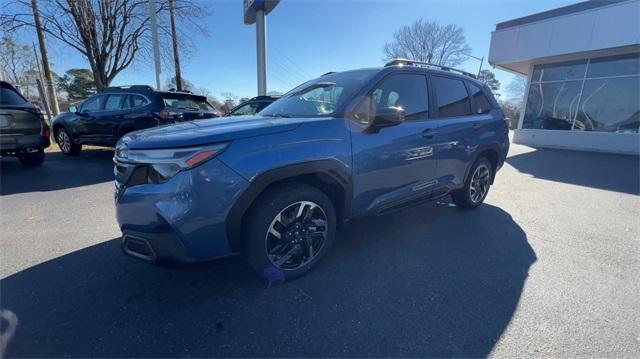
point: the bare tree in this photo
(174, 42)
(516, 89)
(44, 55)
(111, 34)
(429, 41)
(16, 59)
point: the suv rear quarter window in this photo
(452, 97)
(10, 97)
(135, 101)
(480, 100)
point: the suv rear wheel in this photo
(34, 158)
(290, 228)
(63, 138)
(476, 187)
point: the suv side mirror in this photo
(73, 109)
(387, 117)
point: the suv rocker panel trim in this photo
(333, 168)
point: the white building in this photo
(582, 64)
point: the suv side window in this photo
(93, 104)
(452, 97)
(114, 102)
(408, 91)
(134, 101)
(248, 109)
(480, 100)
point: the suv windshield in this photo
(186, 102)
(320, 97)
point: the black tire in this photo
(279, 201)
(65, 142)
(32, 159)
(469, 197)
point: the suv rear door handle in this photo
(476, 126)
(428, 133)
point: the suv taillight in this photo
(167, 115)
(46, 133)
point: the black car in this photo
(105, 117)
(23, 131)
(252, 106)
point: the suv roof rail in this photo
(407, 62)
(328, 73)
(264, 97)
(129, 87)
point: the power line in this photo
(305, 74)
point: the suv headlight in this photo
(162, 164)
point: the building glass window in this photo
(551, 106)
(573, 70)
(598, 94)
(614, 66)
(609, 105)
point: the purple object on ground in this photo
(273, 276)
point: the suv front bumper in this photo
(181, 220)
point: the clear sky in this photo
(308, 38)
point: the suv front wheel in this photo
(63, 138)
(476, 187)
(290, 228)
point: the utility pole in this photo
(176, 55)
(46, 103)
(51, 88)
(261, 47)
(154, 43)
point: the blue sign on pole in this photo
(251, 6)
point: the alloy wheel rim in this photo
(64, 141)
(479, 183)
(296, 235)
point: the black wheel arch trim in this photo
(337, 170)
(490, 146)
(55, 127)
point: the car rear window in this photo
(10, 97)
(187, 102)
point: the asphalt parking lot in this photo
(548, 267)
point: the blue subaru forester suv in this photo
(278, 185)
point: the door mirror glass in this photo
(387, 117)
(73, 109)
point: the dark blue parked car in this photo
(278, 185)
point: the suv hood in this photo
(201, 132)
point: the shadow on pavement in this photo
(620, 173)
(56, 172)
(429, 281)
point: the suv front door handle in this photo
(476, 126)
(428, 133)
